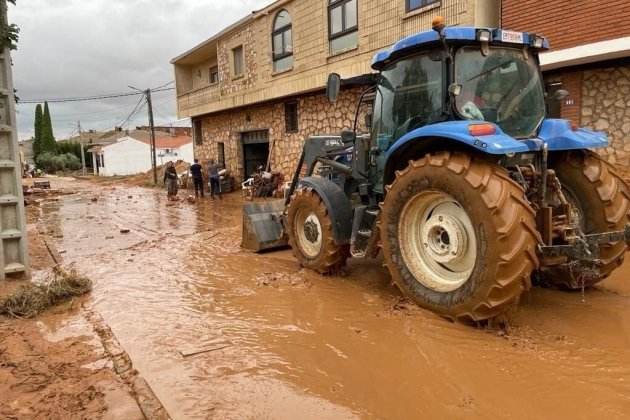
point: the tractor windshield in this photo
(502, 87)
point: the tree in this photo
(48, 142)
(37, 138)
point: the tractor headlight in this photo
(483, 36)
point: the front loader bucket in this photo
(262, 229)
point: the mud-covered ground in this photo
(55, 366)
(218, 332)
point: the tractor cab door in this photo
(410, 95)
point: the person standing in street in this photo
(196, 171)
(171, 181)
(214, 179)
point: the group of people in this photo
(171, 179)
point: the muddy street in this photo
(219, 332)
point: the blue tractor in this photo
(463, 184)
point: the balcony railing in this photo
(202, 96)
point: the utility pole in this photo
(152, 128)
(82, 152)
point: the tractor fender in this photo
(495, 144)
(559, 135)
(338, 205)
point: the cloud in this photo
(71, 48)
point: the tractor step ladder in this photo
(364, 224)
(13, 241)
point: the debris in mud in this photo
(277, 279)
(213, 348)
(32, 299)
(124, 230)
(403, 305)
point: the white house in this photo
(131, 154)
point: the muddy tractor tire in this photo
(458, 236)
(311, 234)
(602, 199)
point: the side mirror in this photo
(560, 94)
(333, 86)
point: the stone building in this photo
(255, 89)
(589, 57)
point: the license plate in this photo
(512, 37)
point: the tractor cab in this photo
(458, 73)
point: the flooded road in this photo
(221, 333)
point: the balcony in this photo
(189, 101)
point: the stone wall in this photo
(606, 107)
(315, 116)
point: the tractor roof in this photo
(452, 34)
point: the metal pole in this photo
(152, 128)
(82, 151)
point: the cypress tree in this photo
(37, 138)
(48, 143)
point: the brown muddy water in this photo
(222, 333)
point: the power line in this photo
(163, 86)
(89, 98)
(135, 110)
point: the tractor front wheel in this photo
(311, 234)
(458, 236)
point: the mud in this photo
(266, 339)
(55, 367)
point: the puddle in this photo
(311, 347)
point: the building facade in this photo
(131, 153)
(254, 90)
(589, 57)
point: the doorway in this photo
(255, 151)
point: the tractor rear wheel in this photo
(458, 236)
(602, 201)
(311, 234)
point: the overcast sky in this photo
(77, 48)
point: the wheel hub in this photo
(437, 241)
(444, 238)
(311, 231)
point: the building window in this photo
(418, 4)
(221, 154)
(214, 75)
(343, 25)
(282, 39)
(197, 133)
(239, 61)
(291, 116)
